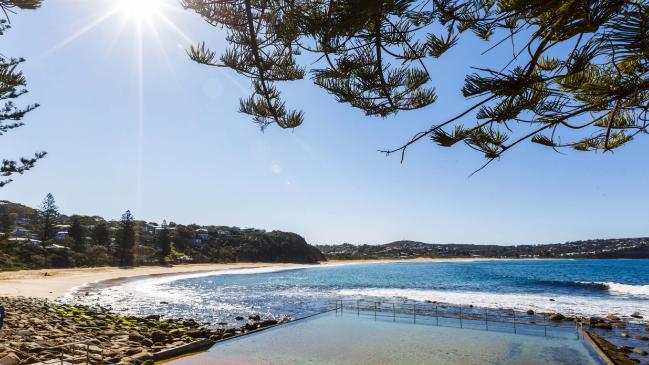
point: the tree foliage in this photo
(48, 212)
(12, 86)
(100, 234)
(578, 76)
(164, 243)
(78, 235)
(126, 240)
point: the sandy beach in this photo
(54, 283)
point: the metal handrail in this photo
(461, 313)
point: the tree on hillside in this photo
(78, 235)
(578, 76)
(100, 234)
(12, 86)
(49, 212)
(126, 240)
(164, 243)
(5, 223)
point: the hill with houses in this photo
(22, 244)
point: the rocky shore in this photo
(622, 341)
(38, 331)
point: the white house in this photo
(202, 234)
(21, 232)
(60, 235)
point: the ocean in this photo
(571, 287)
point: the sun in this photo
(140, 9)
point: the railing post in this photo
(394, 314)
(374, 310)
(436, 315)
(414, 313)
(460, 316)
(358, 308)
(486, 318)
(514, 322)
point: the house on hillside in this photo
(21, 232)
(24, 240)
(200, 236)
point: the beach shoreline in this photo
(55, 283)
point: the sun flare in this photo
(140, 9)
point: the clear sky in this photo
(192, 157)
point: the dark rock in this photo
(602, 325)
(624, 334)
(626, 349)
(198, 333)
(642, 338)
(637, 315)
(153, 317)
(158, 336)
(238, 318)
(556, 317)
(267, 323)
(552, 300)
(146, 342)
(612, 317)
(134, 351)
(135, 337)
(595, 320)
(254, 317)
(530, 312)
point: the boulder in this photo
(238, 318)
(146, 342)
(133, 351)
(612, 317)
(254, 317)
(636, 315)
(556, 317)
(595, 320)
(552, 300)
(268, 322)
(153, 317)
(530, 312)
(602, 325)
(642, 338)
(135, 337)
(10, 359)
(158, 336)
(640, 351)
(624, 334)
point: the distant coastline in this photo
(54, 283)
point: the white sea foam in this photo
(626, 289)
(589, 306)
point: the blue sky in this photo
(194, 158)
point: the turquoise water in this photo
(348, 339)
(587, 287)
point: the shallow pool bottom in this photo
(333, 339)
